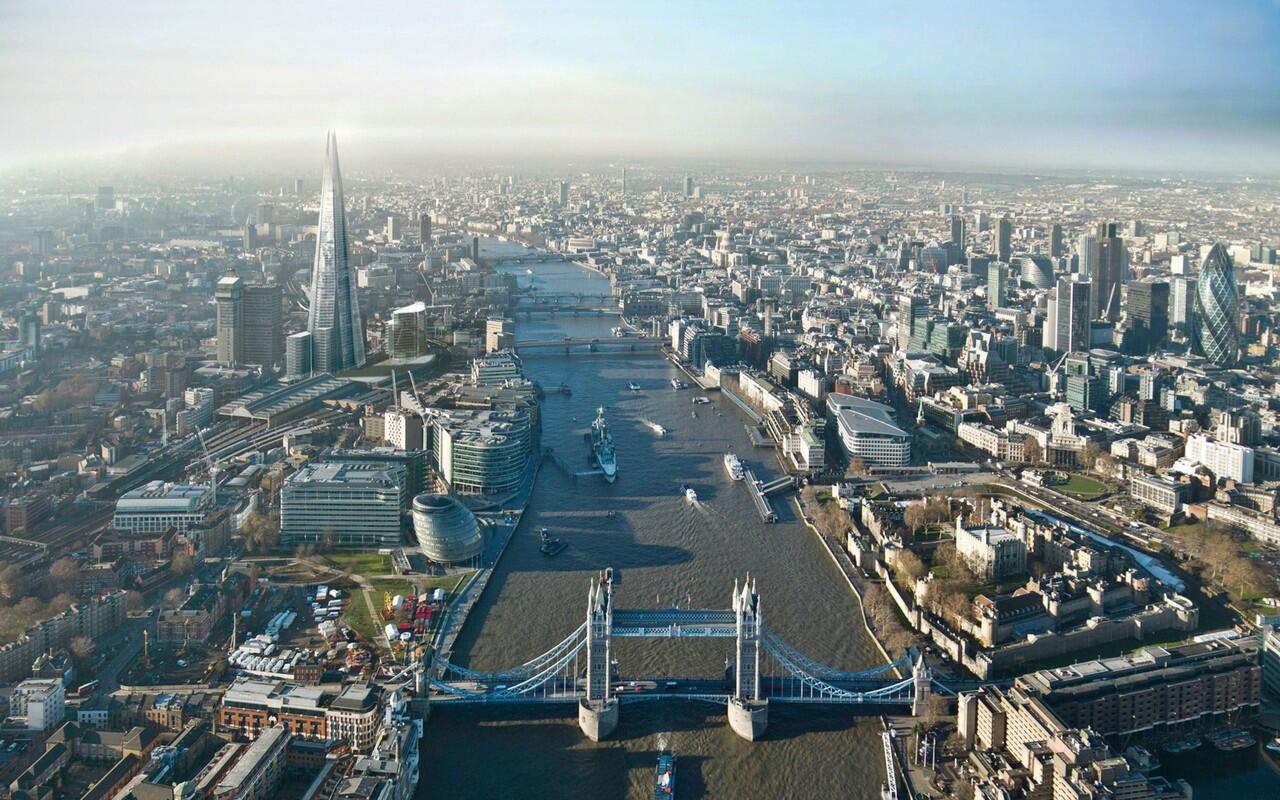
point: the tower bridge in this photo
(762, 669)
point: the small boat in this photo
(690, 494)
(733, 466)
(1230, 741)
(633, 386)
(1273, 746)
(611, 513)
(655, 427)
(528, 272)
(664, 779)
(701, 400)
(1180, 746)
(693, 414)
(678, 384)
(565, 390)
(1141, 759)
(550, 545)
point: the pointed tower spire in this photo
(334, 321)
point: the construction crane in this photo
(213, 468)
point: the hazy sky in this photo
(1128, 83)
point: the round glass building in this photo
(447, 531)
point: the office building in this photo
(482, 452)
(868, 431)
(262, 327)
(406, 332)
(912, 311)
(424, 228)
(688, 186)
(1035, 271)
(334, 321)
(997, 283)
(157, 506)
(298, 355)
(392, 229)
(564, 193)
(499, 334)
(198, 410)
(343, 504)
(1056, 249)
(259, 770)
(42, 702)
(957, 230)
(402, 429)
(229, 300)
(29, 331)
(1224, 459)
(1004, 239)
(447, 531)
(354, 715)
(1067, 325)
(1146, 312)
(1105, 262)
(105, 200)
(496, 369)
(1182, 304)
(1216, 330)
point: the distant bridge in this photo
(580, 669)
(568, 344)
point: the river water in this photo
(664, 551)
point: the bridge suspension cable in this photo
(820, 670)
(522, 671)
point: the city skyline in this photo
(1141, 86)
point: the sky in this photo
(1124, 85)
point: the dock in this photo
(758, 438)
(784, 484)
(763, 507)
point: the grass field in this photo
(364, 563)
(357, 616)
(1082, 488)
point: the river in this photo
(665, 552)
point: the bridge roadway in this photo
(715, 690)
(614, 344)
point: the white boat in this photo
(733, 466)
(602, 447)
(655, 427)
(701, 400)
(633, 386)
(528, 272)
(1273, 746)
(678, 384)
(690, 495)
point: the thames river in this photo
(665, 552)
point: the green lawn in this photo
(1082, 488)
(356, 615)
(363, 562)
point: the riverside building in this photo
(343, 504)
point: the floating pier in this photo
(763, 508)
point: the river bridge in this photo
(593, 344)
(763, 669)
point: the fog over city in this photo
(1131, 86)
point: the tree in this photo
(908, 568)
(1088, 458)
(174, 597)
(134, 601)
(914, 517)
(64, 575)
(181, 563)
(857, 466)
(13, 582)
(329, 538)
(1031, 450)
(82, 648)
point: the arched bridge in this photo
(763, 669)
(568, 344)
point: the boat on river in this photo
(733, 466)
(602, 447)
(689, 494)
(664, 779)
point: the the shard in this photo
(337, 331)
(1216, 332)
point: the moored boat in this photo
(664, 779)
(733, 466)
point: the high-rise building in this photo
(1182, 305)
(29, 331)
(229, 299)
(564, 193)
(424, 228)
(1146, 310)
(1004, 239)
(1215, 329)
(343, 504)
(997, 282)
(392, 230)
(1070, 315)
(1107, 267)
(499, 334)
(298, 355)
(912, 311)
(1055, 241)
(262, 325)
(624, 181)
(106, 198)
(337, 330)
(688, 186)
(406, 331)
(957, 230)
(1035, 271)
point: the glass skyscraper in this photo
(337, 331)
(1216, 331)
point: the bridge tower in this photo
(748, 710)
(922, 679)
(598, 711)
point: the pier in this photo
(756, 488)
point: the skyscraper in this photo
(1215, 329)
(1004, 239)
(298, 355)
(688, 186)
(337, 330)
(262, 327)
(997, 281)
(1108, 265)
(1146, 311)
(29, 331)
(1055, 241)
(1070, 315)
(424, 228)
(957, 230)
(229, 299)
(564, 193)
(1182, 306)
(912, 310)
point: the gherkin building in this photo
(1217, 330)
